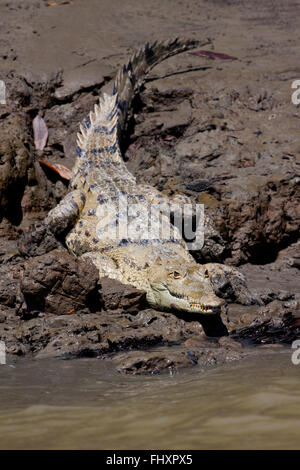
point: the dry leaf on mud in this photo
(213, 55)
(63, 171)
(55, 4)
(40, 132)
(71, 311)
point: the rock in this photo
(273, 281)
(57, 282)
(200, 342)
(154, 362)
(229, 343)
(9, 283)
(37, 240)
(172, 359)
(116, 295)
(2, 315)
(275, 323)
(289, 257)
(92, 334)
(15, 163)
(239, 316)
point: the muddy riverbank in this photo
(225, 133)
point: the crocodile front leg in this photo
(230, 284)
(64, 215)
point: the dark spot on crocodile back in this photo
(86, 122)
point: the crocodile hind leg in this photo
(180, 208)
(64, 215)
(229, 283)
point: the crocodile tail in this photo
(98, 141)
(131, 76)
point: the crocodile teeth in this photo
(203, 308)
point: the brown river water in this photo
(85, 404)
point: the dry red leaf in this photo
(63, 171)
(71, 311)
(213, 55)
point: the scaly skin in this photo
(162, 266)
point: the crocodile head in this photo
(184, 288)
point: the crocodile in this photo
(102, 190)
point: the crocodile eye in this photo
(206, 273)
(175, 274)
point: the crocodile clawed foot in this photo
(229, 283)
